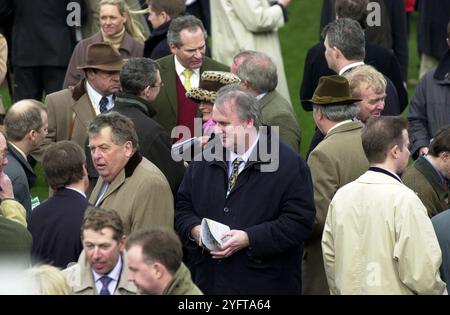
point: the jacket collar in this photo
(353, 125)
(161, 30)
(129, 100)
(442, 72)
(78, 90)
(19, 157)
(126, 172)
(86, 279)
(424, 167)
(259, 155)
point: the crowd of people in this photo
(238, 211)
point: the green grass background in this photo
(299, 34)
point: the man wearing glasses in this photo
(141, 83)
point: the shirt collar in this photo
(260, 96)
(349, 66)
(18, 150)
(77, 190)
(339, 124)
(179, 68)
(95, 98)
(113, 274)
(246, 155)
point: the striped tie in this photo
(234, 174)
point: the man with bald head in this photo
(26, 126)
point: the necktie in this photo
(187, 73)
(105, 280)
(234, 174)
(103, 104)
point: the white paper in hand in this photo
(211, 234)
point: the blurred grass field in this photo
(299, 34)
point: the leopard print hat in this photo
(210, 83)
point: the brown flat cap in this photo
(333, 90)
(102, 56)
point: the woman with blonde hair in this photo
(118, 27)
(47, 280)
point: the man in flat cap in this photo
(71, 110)
(336, 161)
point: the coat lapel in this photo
(83, 114)
(169, 77)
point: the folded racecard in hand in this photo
(211, 233)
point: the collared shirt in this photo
(339, 124)
(195, 78)
(244, 157)
(349, 66)
(114, 275)
(102, 193)
(441, 176)
(95, 98)
(18, 150)
(77, 190)
(260, 96)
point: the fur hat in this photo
(210, 83)
(333, 90)
(102, 56)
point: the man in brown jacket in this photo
(430, 173)
(336, 161)
(71, 110)
(128, 182)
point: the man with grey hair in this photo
(128, 183)
(141, 83)
(336, 161)
(258, 74)
(26, 126)
(180, 72)
(270, 212)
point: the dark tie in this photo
(103, 104)
(105, 280)
(234, 174)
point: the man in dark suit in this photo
(141, 83)
(180, 72)
(26, 126)
(391, 31)
(379, 57)
(265, 199)
(42, 43)
(55, 224)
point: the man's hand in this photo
(423, 150)
(6, 186)
(237, 240)
(195, 233)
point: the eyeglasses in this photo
(158, 85)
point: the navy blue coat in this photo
(276, 209)
(55, 226)
(156, 46)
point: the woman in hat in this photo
(117, 27)
(206, 93)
